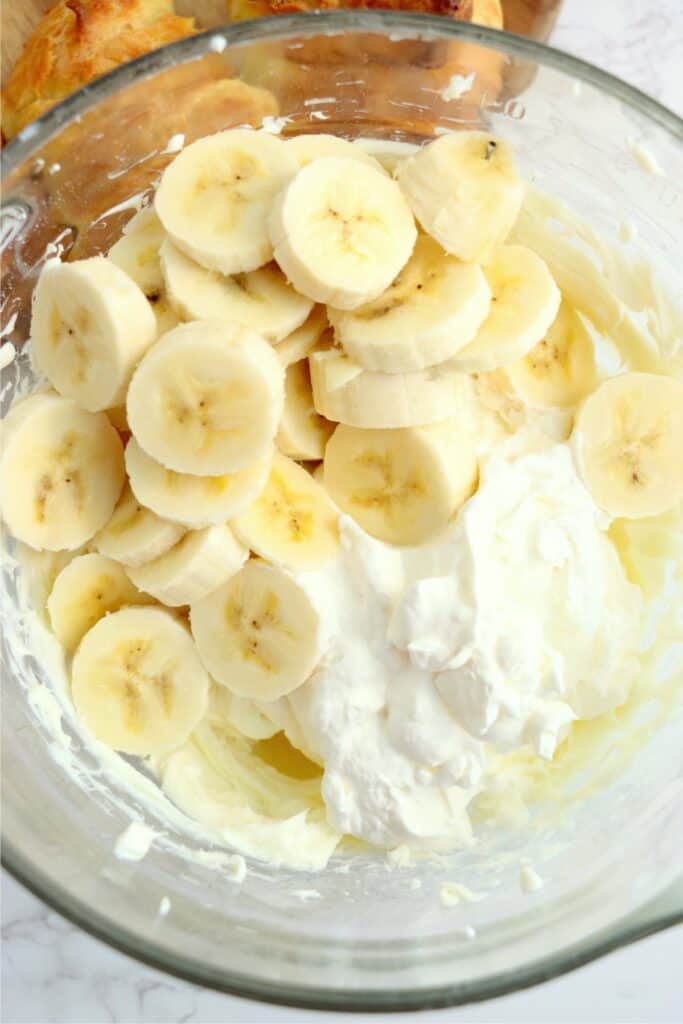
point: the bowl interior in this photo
(358, 934)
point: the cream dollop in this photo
(532, 622)
(516, 621)
(398, 767)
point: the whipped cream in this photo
(531, 622)
(513, 623)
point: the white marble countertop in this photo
(52, 972)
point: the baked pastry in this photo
(488, 13)
(407, 85)
(420, 67)
(481, 12)
(78, 40)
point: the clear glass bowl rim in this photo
(667, 910)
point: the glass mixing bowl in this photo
(358, 936)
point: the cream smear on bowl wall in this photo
(450, 669)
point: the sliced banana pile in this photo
(287, 302)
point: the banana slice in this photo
(401, 486)
(292, 522)
(432, 309)
(524, 302)
(61, 472)
(90, 325)
(341, 231)
(346, 393)
(304, 339)
(262, 299)
(87, 589)
(258, 634)
(560, 370)
(137, 681)
(312, 147)
(40, 569)
(207, 398)
(628, 444)
(303, 432)
(466, 192)
(137, 253)
(215, 197)
(198, 564)
(193, 501)
(134, 534)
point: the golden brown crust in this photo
(488, 13)
(78, 40)
(241, 10)
(482, 12)
(344, 50)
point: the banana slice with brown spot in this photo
(138, 683)
(432, 309)
(61, 472)
(215, 197)
(207, 399)
(628, 444)
(401, 486)
(292, 523)
(465, 190)
(560, 370)
(524, 303)
(258, 634)
(303, 432)
(341, 231)
(86, 590)
(90, 325)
